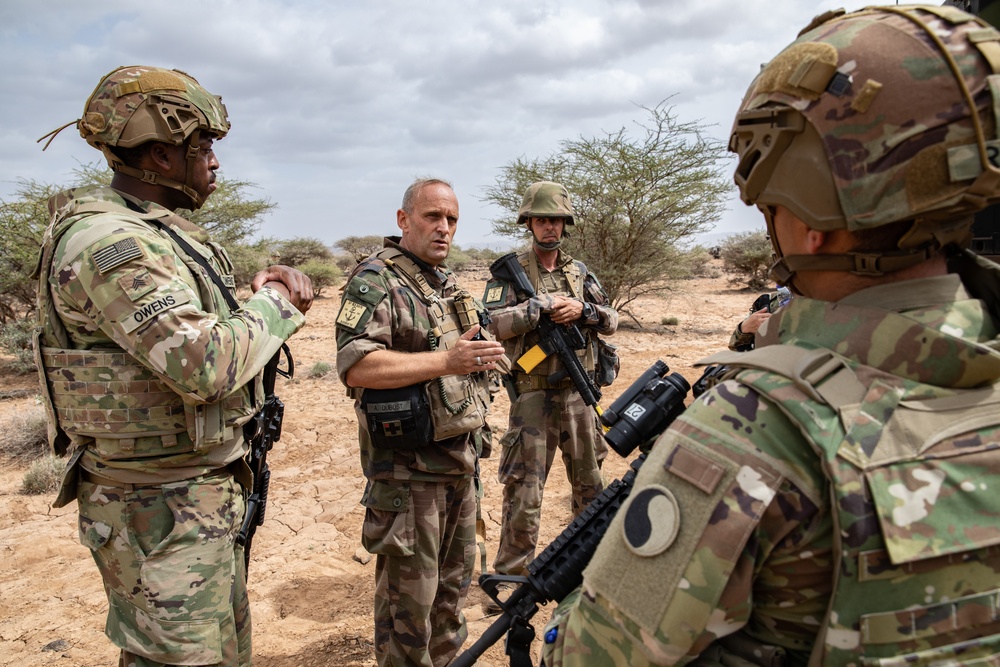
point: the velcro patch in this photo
(652, 519)
(117, 254)
(137, 283)
(350, 314)
(495, 293)
(147, 311)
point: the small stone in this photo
(362, 556)
(57, 645)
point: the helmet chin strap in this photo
(191, 154)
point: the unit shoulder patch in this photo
(360, 299)
(495, 294)
(652, 520)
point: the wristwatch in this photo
(588, 311)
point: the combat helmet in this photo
(137, 104)
(545, 199)
(885, 115)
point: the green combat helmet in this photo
(885, 115)
(137, 104)
(545, 199)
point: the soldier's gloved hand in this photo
(292, 283)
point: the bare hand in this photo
(566, 310)
(753, 323)
(292, 283)
(470, 356)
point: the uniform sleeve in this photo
(508, 318)
(605, 321)
(739, 341)
(681, 565)
(364, 321)
(132, 287)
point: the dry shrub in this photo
(43, 476)
(23, 435)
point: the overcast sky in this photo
(337, 106)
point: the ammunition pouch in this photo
(608, 363)
(397, 418)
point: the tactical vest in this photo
(902, 460)
(588, 357)
(105, 398)
(458, 403)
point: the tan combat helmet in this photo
(879, 116)
(545, 199)
(136, 104)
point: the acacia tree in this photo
(637, 196)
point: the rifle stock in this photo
(261, 432)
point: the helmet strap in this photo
(154, 178)
(551, 245)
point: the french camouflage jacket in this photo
(382, 309)
(514, 320)
(147, 372)
(841, 513)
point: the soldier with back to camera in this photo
(412, 355)
(149, 373)
(546, 416)
(831, 501)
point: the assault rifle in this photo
(560, 339)
(635, 419)
(261, 433)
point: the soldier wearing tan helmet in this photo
(832, 501)
(150, 368)
(546, 416)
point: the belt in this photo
(95, 478)
(541, 382)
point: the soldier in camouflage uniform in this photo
(832, 501)
(544, 416)
(148, 375)
(410, 351)
(744, 336)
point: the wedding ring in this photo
(479, 361)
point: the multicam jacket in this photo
(840, 515)
(147, 372)
(382, 310)
(514, 322)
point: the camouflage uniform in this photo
(420, 516)
(829, 502)
(147, 376)
(770, 509)
(742, 341)
(545, 417)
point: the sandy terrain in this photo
(311, 598)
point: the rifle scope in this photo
(645, 409)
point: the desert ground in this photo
(310, 581)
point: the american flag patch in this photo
(117, 254)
